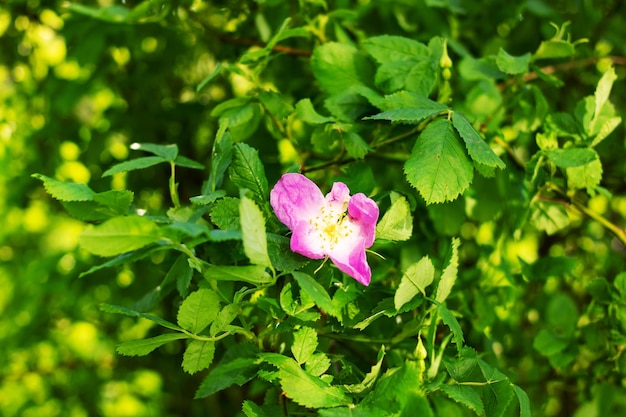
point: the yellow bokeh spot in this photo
(82, 338)
(117, 146)
(484, 235)
(121, 56)
(147, 383)
(5, 21)
(118, 181)
(37, 121)
(73, 171)
(149, 44)
(35, 217)
(125, 278)
(51, 19)
(287, 154)
(126, 405)
(51, 48)
(599, 204)
(22, 23)
(63, 237)
(69, 151)
(20, 73)
(240, 84)
(68, 70)
(66, 264)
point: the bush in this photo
(161, 162)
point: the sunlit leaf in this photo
(198, 356)
(304, 388)
(253, 230)
(198, 310)
(417, 277)
(397, 222)
(247, 172)
(66, 191)
(145, 346)
(438, 166)
(119, 235)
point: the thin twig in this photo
(253, 42)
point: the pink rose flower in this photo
(338, 226)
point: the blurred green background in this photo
(77, 90)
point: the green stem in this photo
(174, 186)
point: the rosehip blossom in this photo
(338, 226)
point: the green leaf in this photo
(110, 308)
(554, 49)
(275, 104)
(167, 152)
(339, 66)
(225, 316)
(585, 176)
(225, 214)
(281, 255)
(304, 344)
(562, 315)
(398, 392)
(206, 199)
(242, 121)
(497, 393)
(183, 161)
(407, 107)
(417, 277)
(66, 191)
(317, 364)
(316, 291)
(307, 113)
(124, 258)
(466, 395)
(198, 310)
(198, 356)
(254, 274)
(387, 48)
(253, 230)
(524, 402)
(438, 166)
(216, 71)
(356, 147)
(601, 96)
(119, 235)
(113, 14)
(549, 217)
(448, 277)
(236, 371)
(145, 346)
(397, 222)
(449, 320)
(549, 344)
(304, 388)
(251, 409)
(572, 157)
(247, 172)
(370, 378)
(118, 201)
(512, 64)
(477, 148)
(221, 157)
(134, 164)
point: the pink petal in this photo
(364, 212)
(338, 196)
(352, 261)
(295, 198)
(304, 241)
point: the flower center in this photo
(331, 226)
